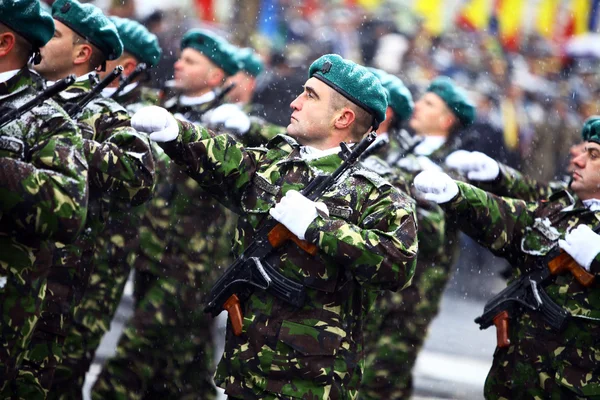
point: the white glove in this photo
(231, 117)
(296, 212)
(435, 186)
(158, 122)
(477, 166)
(583, 244)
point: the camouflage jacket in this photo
(511, 183)
(138, 97)
(43, 173)
(369, 241)
(524, 233)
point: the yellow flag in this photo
(581, 11)
(369, 4)
(476, 13)
(545, 23)
(432, 13)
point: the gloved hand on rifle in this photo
(229, 116)
(296, 212)
(435, 186)
(160, 124)
(477, 166)
(583, 244)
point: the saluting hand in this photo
(297, 212)
(477, 166)
(435, 186)
(160, 124)
(583, 244)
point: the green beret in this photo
(399, 97)
(138, 41)
(455, 98)
(352, 81)
(90, 23)
(591, 129)
(27, 19)
(250, 62)
(217, 49)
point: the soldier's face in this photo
(311, 119)
(431, 115)
(194, 72)
(586, 172)
(57, 54)
(243, 89)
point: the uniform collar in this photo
(5, 76)
(308, 153)
(192, 101)
(107, 92)
(21, 80)
(592, 204)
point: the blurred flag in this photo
(432, 13)
(509, 16)
(593, 20)
(475, 15)
(205, 9)
(368, 4)
(268, 19)
(546, 19)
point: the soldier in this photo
(397, 329)
(540, 361)
(43, 189)
(121, 169)
(139, 47)
(364, 229)
(166, 349)
(251, 66)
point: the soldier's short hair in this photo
(97, 58)
(22, 49)
(363, 120)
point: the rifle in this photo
(73, 109)
(407, 143)
(139, 69)
(251, 270)
(527, 293)
(14, 113)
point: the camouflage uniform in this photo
(540, 362)
(166, 350)
(367, 244)
(44, 192)
(397, 326)
(120, 169)
(138, 97)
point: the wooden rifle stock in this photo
(280, 234)
(234, 309)
(564, 262)
(501, 323)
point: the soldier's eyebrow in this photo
(311, 91)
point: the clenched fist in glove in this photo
(477, 166)
(583, 244)
(231, 117)
(435, 186)
(296, 212)
(157, 122)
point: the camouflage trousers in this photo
(94, 309)
(166, 351)
(23, 271)
(395, 332)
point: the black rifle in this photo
(527, 293)
(407, 144)
(251, 269)
(139, 69)
(73, 109)
(10, 114)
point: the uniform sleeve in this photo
(381, 249)
(495, 222)
(511, 183)
(219, 163)
(119, 158)
(46, 194)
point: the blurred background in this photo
(531, 66)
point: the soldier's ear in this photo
(82, 53)
(7, 43)
(344, 118)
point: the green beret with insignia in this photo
(90, 23)
(138, 41)
(354, 82)
(28, 20)
(217, 49)
(399, 97)
(591, 129)
(455, 98)
(250, 62)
